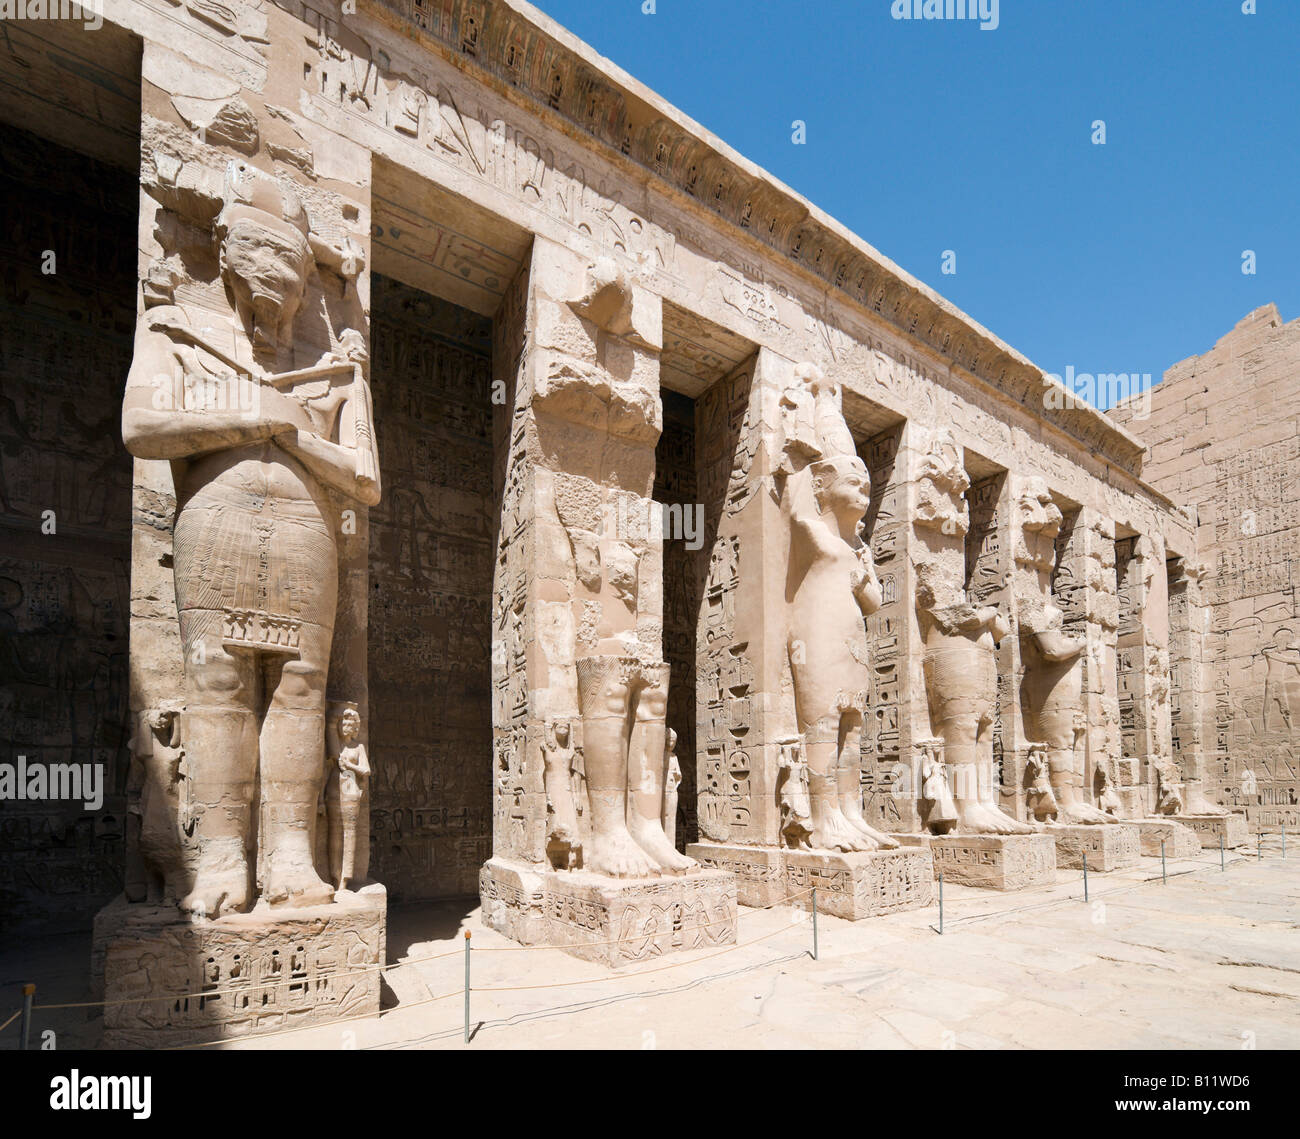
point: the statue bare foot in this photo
(217, 892)
(879, 839)
(618, 855)
(293, 881)
(977, 818)
(1198, 804)
(832, 831)
(649, 836)
(1081, 814)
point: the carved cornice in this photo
(522, 49)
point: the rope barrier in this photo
(10, 1021)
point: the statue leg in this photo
(848, 779)
(293, 768)
(967, 769)
(987, 783)
(646, 774)
(1066, 772)
(605, 700)
(830, 829)
(219, 727)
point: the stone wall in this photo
(65, 346)
(1224, 438)
(430, 595)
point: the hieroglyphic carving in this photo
(430, 572)
(65, 342)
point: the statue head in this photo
(347, 723)
(265, 256)
(842, 486)
(1038, 511)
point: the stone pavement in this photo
(1209, 961)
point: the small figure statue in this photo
(352, 770)
(672, 780)
(1169, 794)
(564, 842)
(156, 812)
(941, 814)
(1108, 799)
(1039, 797)
(792, 792)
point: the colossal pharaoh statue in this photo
(1052, 689)
(959, 661)
(266, 455)
(830, 587)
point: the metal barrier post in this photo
(1085, 875)
(940, 903)
(467, 941)
(1222, 864)
(29, 991)
(1164, 878)
(814, 917)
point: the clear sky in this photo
(925, 136)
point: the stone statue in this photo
(958, 660)
(260, 447)
(672, 781)
(1108, 798)
(351, 769)
(1039, 797)
(831, 586)
(792, 794)
(941, 811)
(156, 808)
(1169, 793)
(564, 841)
(623, 702)
(1052, 688)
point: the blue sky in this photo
(924, 136)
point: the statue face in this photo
(847, 490)
(266, 268)
(350, 724)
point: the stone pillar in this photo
(895, 720)
(248, 410)
(578, 674)
(776, 464)
(1143, 670)
(743, 708)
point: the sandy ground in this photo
(1209, 960)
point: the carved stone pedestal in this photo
(1110, 846)
(615, 921)
(851, 886)
(1208, 828)
(240, 975)
(1180, 841)
(993, 861)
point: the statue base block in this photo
(615, 921)
(851, 886)
(239, 975)
(1109, 846)
(993, 861)
(1209, 828)
(1180, 841)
